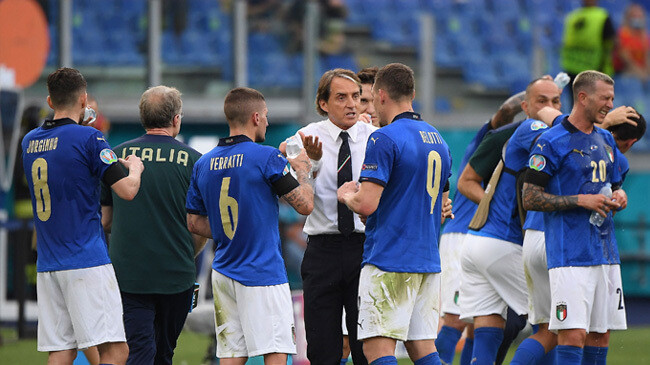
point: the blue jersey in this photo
(232, 185)
(503, 219)
(412, 162)
(64, 163)
(577, 163)
(464, 208)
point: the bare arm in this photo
(548, 114)
(362, 199)
(508, 110)
(128, 187)
(199, 243)
(302, 197)
(469, 184)
(619, 115)
(199, 225)
(535, 198)
(107, 217)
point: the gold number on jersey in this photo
(41, 189)
(229, 209)
(599, 173)
(434, 169)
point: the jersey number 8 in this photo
(41, 189)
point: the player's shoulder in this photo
(605, 134)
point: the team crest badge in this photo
(610, 153)
(537, 162)
(537, 125)
(456, 295)
(560, 311)
(107, 156)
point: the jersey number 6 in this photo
(229, 209)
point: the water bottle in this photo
(90, 113)
(597, 219)
(294, 145)
(561, 80)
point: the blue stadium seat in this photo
(444, 53)
(629, 91)
(344, 60)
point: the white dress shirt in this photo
(324, 218)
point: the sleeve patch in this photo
(369, 166)
(537, 162)
(537, 125)
(108, 156)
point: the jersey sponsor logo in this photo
(610, 153)
(374, 140)
(541, 147)
(580, 152)
(561, 311)
(108, 156)
(537, 162)
(537, 125)
(369, 166)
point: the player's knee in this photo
(454, 321)
(572, 337)
(597, 339)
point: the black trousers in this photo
(152, 323)
(330, 275)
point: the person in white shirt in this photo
(332, 262)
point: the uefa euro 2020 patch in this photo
(537, 125)
(537, 162)
(108, 156)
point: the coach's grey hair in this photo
(586, 81)
(159, 105)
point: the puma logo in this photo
(579, 152)
(374, 140)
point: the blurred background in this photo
(468, 56)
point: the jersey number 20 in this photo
(229, 209)
(41, 189)
(434, 170)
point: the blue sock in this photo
(344, 361)
(466, 354)
(549, 358)
(594, 355)
(386, 360)
(530, 351)
(568, 355)
(446, 343)
(486, 345)
(431, 359)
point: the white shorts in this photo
(78, 308)
(588, 297)
(403, 306)
(492, 278)
(536, 270)
(451, 247)
(252, 320)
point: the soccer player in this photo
(79, 302)
(567, 169)
(534, 348)
(404, 181)
(492, 271)
(367, 111)
(156, 276)
(233, 198)
(451, 243)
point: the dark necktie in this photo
(346, 219)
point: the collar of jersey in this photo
(568, 126)
(229, 141)
(334, 131)
(57, 122)
(407, 115)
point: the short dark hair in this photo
(325, 85)
(586, 81)
(397, 80)
(240, 103)
(367, 75)
(64, 87)
(626, 131)
(159, 105)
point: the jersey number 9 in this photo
(434, 170)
